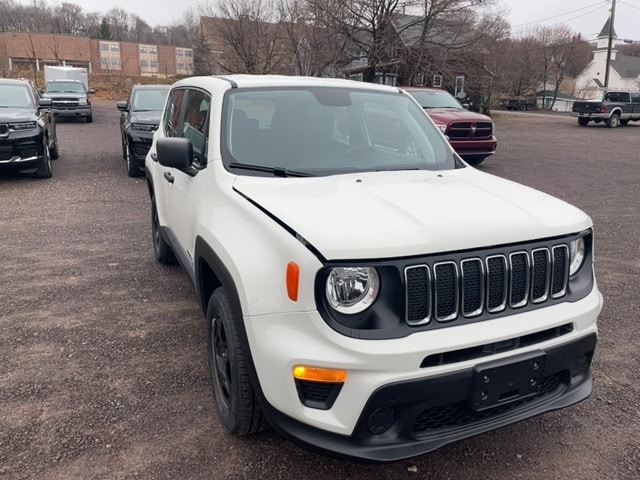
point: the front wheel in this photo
(161, 249)
(132, 168)
(53, 151)
(613, 121)
(90, 117)
(235, 400)
(44, 166)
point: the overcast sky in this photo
(583, 16)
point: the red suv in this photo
(471, 134)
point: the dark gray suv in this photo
(28, 139)
(139, 118)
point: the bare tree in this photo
(254, 42)
(317, 47)
(120, 24)
(571, 54)
(632, 49)
(68, 19)
(140, 31)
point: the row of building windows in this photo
(144, 49)
(148, 49)
(109, 47)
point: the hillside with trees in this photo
(413, 41)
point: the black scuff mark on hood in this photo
(293, 233)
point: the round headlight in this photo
(352, 290)
(576, 252)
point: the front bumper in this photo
(474, 148)
(21, 150)
(139, 145)
(71, 111)
(410, 418)
(397, 403)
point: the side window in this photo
(195, 123)
(172, 114)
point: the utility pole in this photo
(611, 21)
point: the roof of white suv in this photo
(252, 81)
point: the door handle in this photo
(168, 177)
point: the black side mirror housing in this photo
(175, 152)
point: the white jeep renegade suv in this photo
(366, 292)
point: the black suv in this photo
(138, 121)
(28, 139)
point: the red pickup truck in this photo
(613, 107)
(471, 134)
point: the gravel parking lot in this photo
(102, 355)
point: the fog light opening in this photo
(381, 420)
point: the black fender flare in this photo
(204, 253)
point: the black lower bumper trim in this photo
(416, 417)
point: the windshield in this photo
(15, 96)
(431, 99)
(149, 99)
(325, 131)
(64, 87)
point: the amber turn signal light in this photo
(318, 374)
(293, 279)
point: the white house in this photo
(624, 70)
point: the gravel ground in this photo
(102, 358)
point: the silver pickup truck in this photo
(613, 107)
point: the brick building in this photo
(21, 52)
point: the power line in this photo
(598, 6)
(629, 5)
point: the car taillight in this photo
(603, 108)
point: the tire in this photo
(53, 151)
(90, 117)
(613, 121)
(161, 249)
(132, 168)
(235, 400)
(583, 121)
(44, 166)
(475, 160)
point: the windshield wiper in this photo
(276, 171)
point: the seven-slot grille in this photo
(446, 290)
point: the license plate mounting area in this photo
(506, 381)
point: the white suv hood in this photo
(392, 214)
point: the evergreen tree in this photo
(105, 30)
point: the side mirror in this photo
(123, 106)
(44, 103)
(91, 91)
(175, 152)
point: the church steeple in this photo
(605, 30)
(603, 36)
